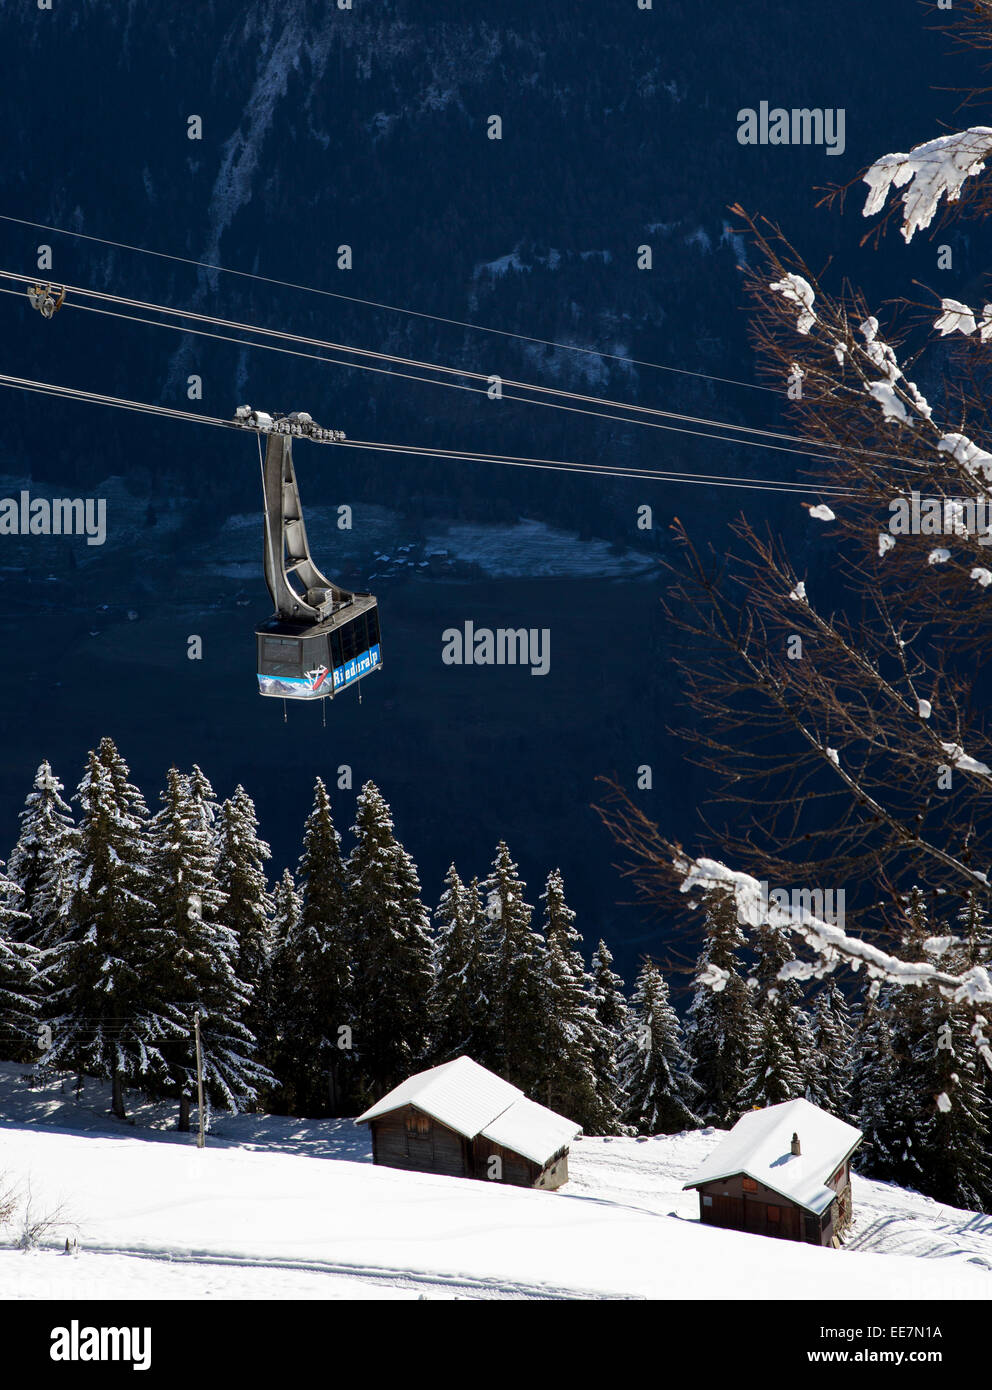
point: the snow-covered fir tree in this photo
(609, 1003)
(656, 1067)
(19, 984)
(832, 1056)
(781, 1065)
(128, 796)
(572, 1032)
(515, 991)
(313, 970)
(286, 907)
(458, 1002)
(889, 1094)
(43, 862)
(241, 859)
(954, 1149)
(198, 971)
(974, 928)
(886, 1098)
(275, 1040)
(107, 1020)
(202, 797)
(392, 948)
(721, 1023)
(975, 931)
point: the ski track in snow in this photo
(894, 1222)
(460, 1285)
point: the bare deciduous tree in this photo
(839, 715)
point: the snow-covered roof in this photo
(760, 1146)
(532, 1130)
(472, 1101)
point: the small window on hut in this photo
(417, 1124)
(707, 1201)
(749, 1185)
(774, 1214)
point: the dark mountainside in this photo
(368, 127)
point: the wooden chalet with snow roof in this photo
(463, 1121)
(783, 1171)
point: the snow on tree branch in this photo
(798, 291)
(967, 453)
(882, 356)
(956, 317)
(829, 941)
(931, 171)
(713, 977)
(892, 406)
(966, 763)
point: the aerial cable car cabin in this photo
(321, 639)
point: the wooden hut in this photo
(783, 1171)
(464, 1121)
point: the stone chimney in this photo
(796, 1150)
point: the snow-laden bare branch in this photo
(955, 317)
(830, 943)
(892, 406)
(968, 454)
(800, 292)
(883, 357)
(931, 171)
(964, 761)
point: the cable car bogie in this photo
(47, 299)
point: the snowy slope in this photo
(277, 1208)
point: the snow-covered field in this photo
(277, 1208)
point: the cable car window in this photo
(336, 657)
(314, 653)
(353, 638)
(281, 656)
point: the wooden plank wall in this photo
(441, 1150)
(739, 1210)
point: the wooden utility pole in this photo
(199, 1077)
